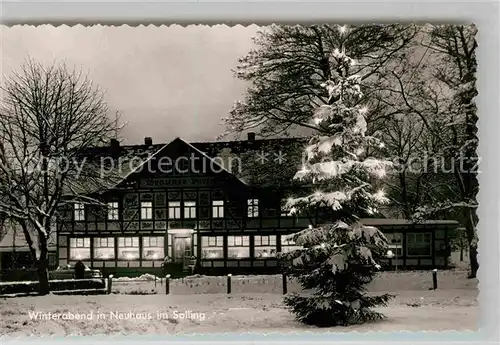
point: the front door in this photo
(182, 250)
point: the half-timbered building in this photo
(216, 207)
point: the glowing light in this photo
(380, 173)
(130, 256)
(310, 226)
(323, 245)
(380, 194)
(303, 169)
(343, 29)
(213, 255)
(381, 145)
(390, 254)
(155, 256)
(363, 110)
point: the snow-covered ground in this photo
(200, 305)
(216, 313)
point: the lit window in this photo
(288, 244)
(79, 212)
(218, 209)
(189, 209)
(253, 207)
(113, 211)
(128, 248)
(79, 248)
(174, 210)
(104, 248)
(152, 248)
(265, 246)
(212, 247)
(146, 210)
(395, 243)
(418, 244)
(238, 247)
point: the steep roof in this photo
(124, 160)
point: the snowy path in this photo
(170, 314)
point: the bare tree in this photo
(444, 102)
(49, 116)
(289, 64)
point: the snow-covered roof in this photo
(141, 154)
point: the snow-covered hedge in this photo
(26, 287)
(144, 277)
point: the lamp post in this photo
(391, 255)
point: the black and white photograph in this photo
(217, 179)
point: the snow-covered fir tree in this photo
(339, 254)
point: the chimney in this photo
(251, 136)
(114, 147)
(114, 143)
(148, 141)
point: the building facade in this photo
(184, 203)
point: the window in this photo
(265, 246)
(288, 244)
(113, 211)
(146, 210)
(152, 248)
(189, 209)
(218, 209)
(212, 247)
(128, 248)
(253, 208)
(418, 244)
(104, 248)
(79, 248)
(79, 212)
(238, 247)
(395, 241)
(174, 210)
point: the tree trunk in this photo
(474, 264)
(42, 266)
(471, 239)
(43, 276)
(404, 195)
